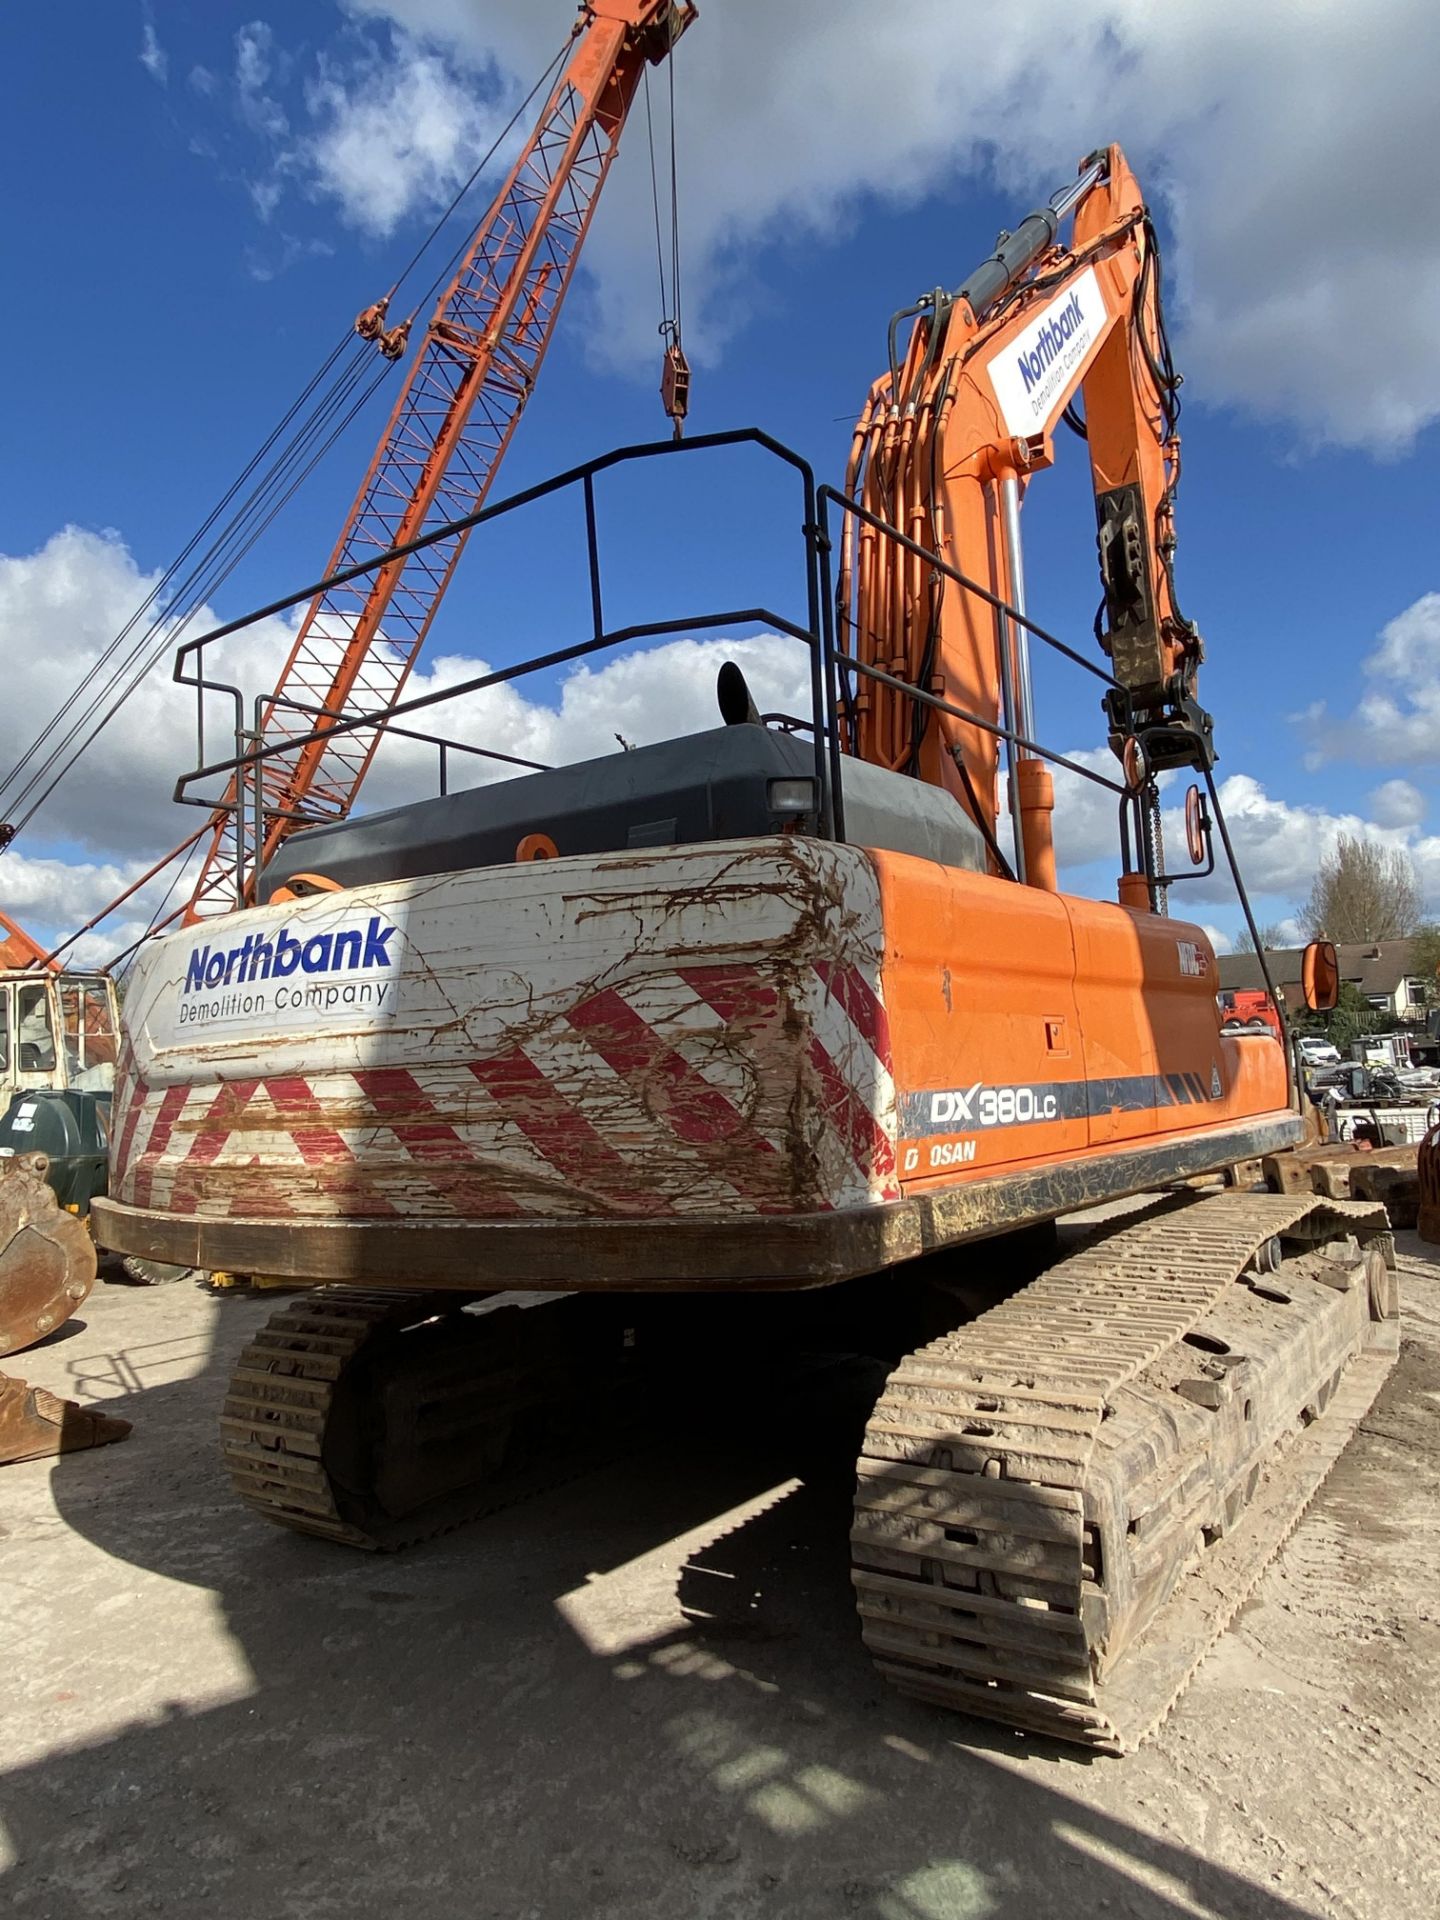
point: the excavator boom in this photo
(944, 452)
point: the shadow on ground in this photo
(623, 1698)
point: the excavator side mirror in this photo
(1197, 827)
(1320, 976)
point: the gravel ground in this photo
(643, 1695)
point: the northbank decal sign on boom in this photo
(1031, 374)
(274, 977)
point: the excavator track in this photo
(1061, 1505)
(377, 1419)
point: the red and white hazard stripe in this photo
(694, 1090)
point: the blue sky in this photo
(211, 193)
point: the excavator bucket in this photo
(35, 1424)
(47, 1268)
(47, 1258)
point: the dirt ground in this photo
(644, 1695)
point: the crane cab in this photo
(57, 1030)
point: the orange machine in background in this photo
(17, 949)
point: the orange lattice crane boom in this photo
(445, 439)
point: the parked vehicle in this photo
(1248, 1007)
(1315, 1052)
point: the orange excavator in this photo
(782, 1035)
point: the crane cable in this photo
(447, 271)
(221, 560)
(238, 535)
(161, 583)
(178, 596)
(674, 188)
(655, 203)
(675, 381)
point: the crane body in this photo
(753, 1040)
(447, 434)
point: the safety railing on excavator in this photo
(245, 768)
(843, 661)
(832, 669)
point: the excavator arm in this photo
(944, 453)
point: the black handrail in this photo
(828, 659)
(644, 450)
(939, 705)
(584, 475)
(382, 716)
(1001, 605)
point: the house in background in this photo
(1384, 971)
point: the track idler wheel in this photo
(47, 1258)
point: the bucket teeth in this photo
(1061, 1505)
(35, 1423)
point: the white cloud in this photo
(59, 608)
(395, 134)
(1397, 803)
(256, 63)
(152, 55)
(50, 898)
(1397, 722)
(266, 195)
(659, 694)
(113, 815)
(1086, 820)
(1261, 133)
(1278, 844)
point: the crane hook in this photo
(675, 386)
